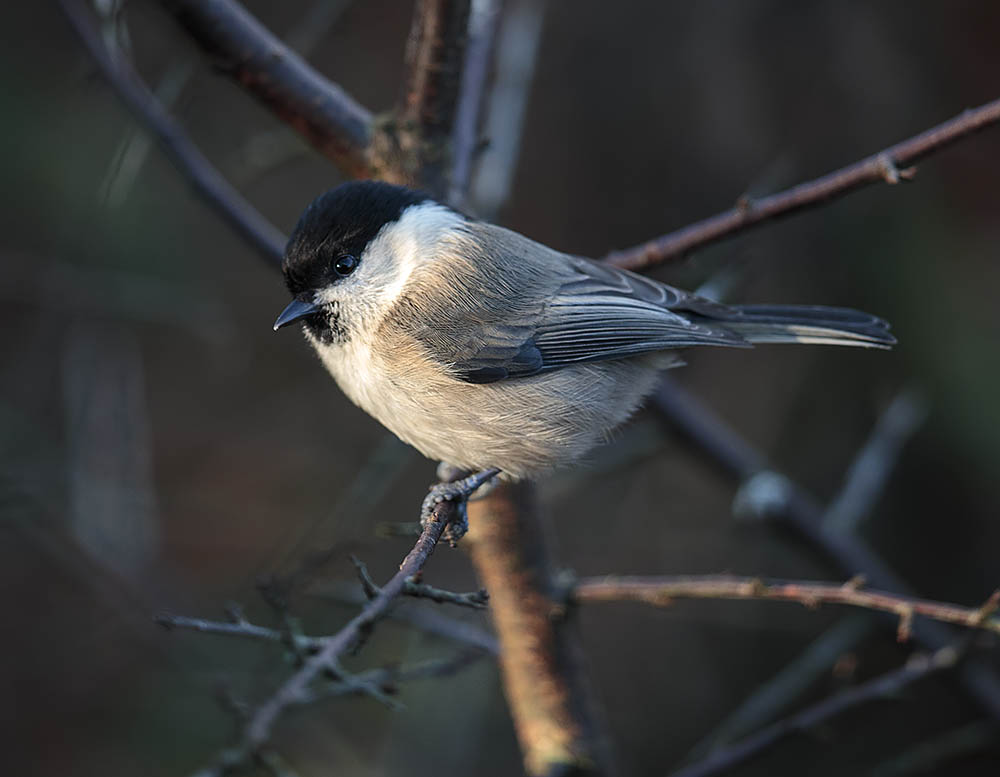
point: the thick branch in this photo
(434, 56)
(545, 683)
(246, 220)
(662, 591)
(323, 113)
(882, 687)
(883, 166)
(417, 144)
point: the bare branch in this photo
(415, 147)
(546, 687)
(518, 42)
(484, 22)
(662, 591)
(881, 167)
(427, 620)
(208, 182)
(388, 679)
(297, 689)
(240, 628)
(798, 511)
(881, 687)
(319, 110)
(477, 600)
(870, 470)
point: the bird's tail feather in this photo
(808, 324)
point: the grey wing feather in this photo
(596, 313)
(604, 313)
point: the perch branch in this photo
(662, 591)
(882, 687)
(297, 689)
(246, 220)
(890, 166)
(319, 110)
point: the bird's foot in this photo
(458, 491)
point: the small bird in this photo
(486, 350)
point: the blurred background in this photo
(161, 448)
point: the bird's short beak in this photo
(296, 309)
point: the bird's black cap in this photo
(341, 223)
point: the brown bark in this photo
(545, 684)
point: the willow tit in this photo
(484, 349)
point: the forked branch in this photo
(298, 689)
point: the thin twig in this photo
(296, 689)
(239, 628)
(881, 687)
(477, 600)
(881, 167)
(208, 182)
(388, 679)
(425, 619)
(662, 591)
(319, 110)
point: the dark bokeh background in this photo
(160, 447)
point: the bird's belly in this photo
(524, 426)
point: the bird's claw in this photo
(457, 491)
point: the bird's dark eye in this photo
(345, 265)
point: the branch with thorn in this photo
(475, 599)
(663, 591)
(892, 165)
(323, 658)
